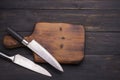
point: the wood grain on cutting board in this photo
(64, 41)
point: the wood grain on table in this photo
(102, 46)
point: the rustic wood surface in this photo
(102, 46)
(64, 41)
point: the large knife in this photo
(24, 62)
(38, 49)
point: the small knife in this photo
(38, 49)
(26, 63)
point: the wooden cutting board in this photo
(64, 41)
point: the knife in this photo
(26, 63)
(38, 49)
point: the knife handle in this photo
(7, 57)
(15, 34)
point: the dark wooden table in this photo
(101, 19)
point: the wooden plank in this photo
(60, 4)
(105, 67)
(93, 20)
(102, 43)
(101, 19)
(97, 43)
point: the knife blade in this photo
(38, 49)
(26, 63)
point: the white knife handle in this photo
(10, 58)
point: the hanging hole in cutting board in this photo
(61, 46)
(60, 29)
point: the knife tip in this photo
(49, 75)
(61, 70)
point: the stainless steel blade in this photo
(43, 53)
(24, 62)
